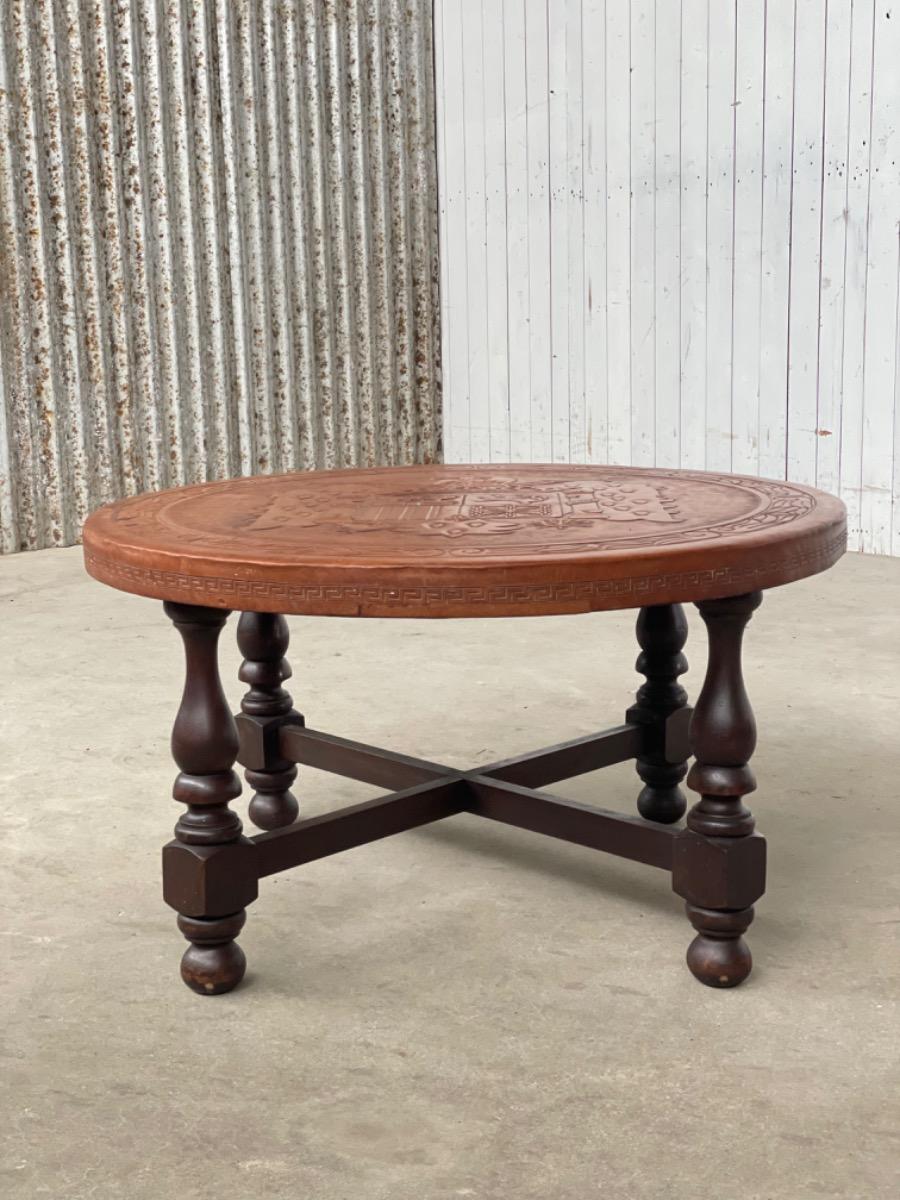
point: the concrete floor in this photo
(468, 1009)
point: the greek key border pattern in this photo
(283, 597)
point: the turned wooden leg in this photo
(661, 634)
(263, 640)
(727, 862)
(203, 873)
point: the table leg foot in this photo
(208, 840)
(718, 956)
(661, 634)
(661, 799)
(213, 963)
(273, 805)
(723, 738)
(263, 639)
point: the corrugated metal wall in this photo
(218, 247)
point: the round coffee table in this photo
(464, 541)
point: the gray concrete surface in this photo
(466, 1010)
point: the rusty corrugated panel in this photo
(218, 246)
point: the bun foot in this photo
(213, 963)
(664, 805)
(718, 956)
(273, 806)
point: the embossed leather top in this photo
(464, 541)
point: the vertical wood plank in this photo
(595, 302)
(806, 193)
(575, 138)
(497, 265)
(694, 163)
(472, 50)
(643, 220)
(538, 140)
(720, 235)
(452, 189)
(859, 146)
(559, 153)
(666, 240)
(894, 548)
(776, 239)
(748, 178)
(618, 230)
(517, 229)
(880, 377)
(834, 247)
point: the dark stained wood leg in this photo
(723, 736)
(205, 745)
(213, 962)
(211, 872)
(661, 633)
(263, 640)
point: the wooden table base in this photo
(717, 863)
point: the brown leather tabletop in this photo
(464, 541)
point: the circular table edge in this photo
(570, 585)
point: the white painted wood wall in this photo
(669, 235)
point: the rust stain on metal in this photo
(218, 247)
